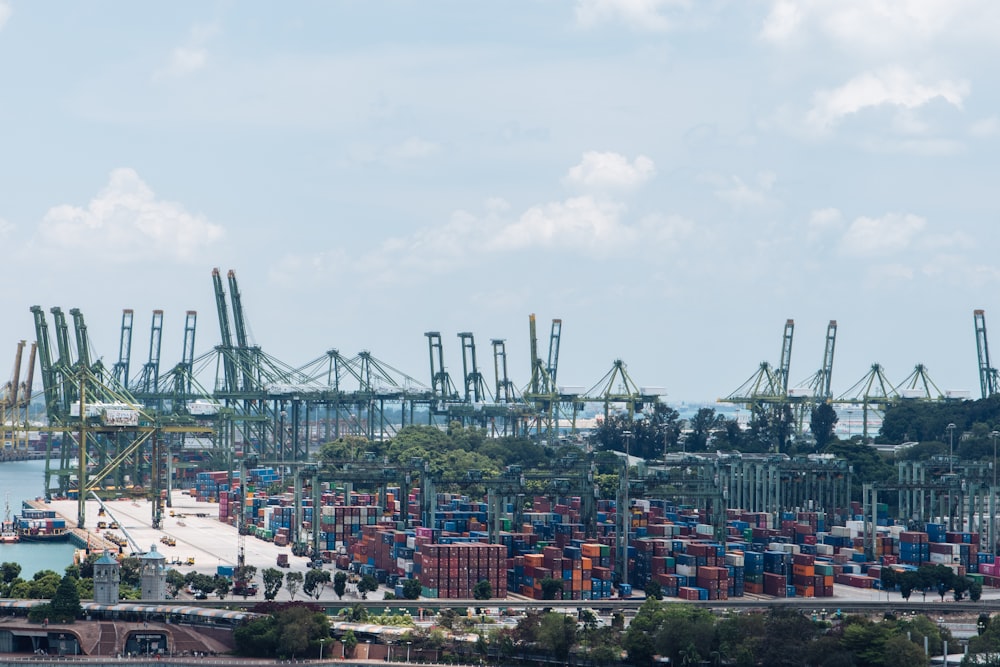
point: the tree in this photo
(175, 582)
(822, 422)
(483, 590)
(9, 572)
(244, 574)
(273, 578)
(293, 581)
(654, 590)
(222, 586)
(551, 588)
(412, 589)
(898, 651)
(315, 578)
(340, 585)
(557, 633)
(367, 585)
(65, 606)
(350, 642)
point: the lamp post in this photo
(993, 495)
(321, 642)
(951, 469)
(408, 651)
(627, 521)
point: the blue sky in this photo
(673, 179)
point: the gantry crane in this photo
(120, 371)
(988, 379)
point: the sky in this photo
(673, 179)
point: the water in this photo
(25, 480)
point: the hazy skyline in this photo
(672, 179)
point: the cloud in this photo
(5, 12)
(190, 57)
(582, 223)
(782, 22)
(739, 194)
(415, 148)
(610, 171)
(126, 223)
(985, 127)
(642, 15)
(878, 26)
(6, 229)
(878, 237)
(892, 86)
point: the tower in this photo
(107, 576)
(153, 575)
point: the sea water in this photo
(25, 480)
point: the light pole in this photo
(627, 522)
(951, 469)
(408, 651)
(388, 652)
(321, 642)
(993, 495)
(951, 448)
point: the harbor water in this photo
(25, 480)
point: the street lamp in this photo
(388, 653)
(951, 469)
(993, 495)
(624, 510)
(951, 447)
(408, 651)
(321, 642)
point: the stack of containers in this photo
(453, 570)
(914, 547)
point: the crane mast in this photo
(121, 368)
(827, 373)
(786, 356)
(987, 374)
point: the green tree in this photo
(65, 606)
(315, 579)
(350, 643)
(557, 634)
(222, 586)
(483, 590)
(175, 582)
(273, 579)
(9, 572)
(339, 585)
(901, 652)
(293, 582)
(411, 589)
(552, 588)
(822, 421)
(368, 584)
(654, 590)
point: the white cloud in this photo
(985, 127)
(892, 86)
(191, 56)
(581, 223)
(876, 237)
(739, 194)
(126, 223)
(645, 15)
(610, 171)
(782, 22)
(415, 148)
(6, 228)
(5, 12)
(878, 26)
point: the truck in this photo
(283, 560)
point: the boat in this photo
(36, 525)
(8, 530)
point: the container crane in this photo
(120, 370)
(988, 377)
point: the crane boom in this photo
(831, 342)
